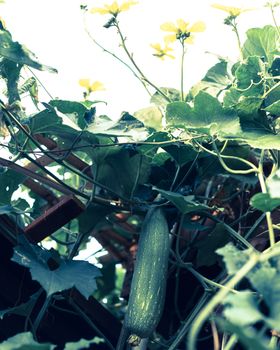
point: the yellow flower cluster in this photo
(232, 11)
(114, 9)
(182, 31)
(91, 86)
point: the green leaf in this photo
(274, 108)
(154, 142)
(185, 204)
(266, 280)
(206, 255)
(264, 202)
(24, 341)
(242, 308)
(233, 258)
(248, 106)
(262, 42)
(248, 75)
(150, 116)
(216, 79)
(22, 309)
(69, 273)
(177, 114)
(92, 216)
(83, 343)
(171, 93)
(18, 53)
(273, 185)
(182, 154)
(8, 209)
(258, 137)
(207, 116)
(129, 170)
(248, 336)
(126, 126)
(9, 183)
(74, 110)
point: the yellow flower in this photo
(181, 30)
(114, 9)
(91, 86)
(232, 11)
(162, 52)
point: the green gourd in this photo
(148, 286)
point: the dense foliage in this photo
(209, 158)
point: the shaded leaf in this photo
(24, 341)
(185, 204)
(92, 216)
(22, 309)
(69, 274)
(18, 53)
(206, 255)
(9, 183)
(264, 202)
(73, 109)
(182, 154)
(242, 308)
(129, 170)
(248, 336)
(83, 343)
(274, 108)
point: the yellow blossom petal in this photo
(189, 40)
(85, 83)
(162, 52)
(233, 11)
(101, 11)
(169, 27)
(182, 25)
(168, 39)
(97, 86)
(125, 6)
(156, 46)
(113, 9)
(197, 27)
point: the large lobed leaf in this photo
(206, 116)
(262, 42)
(79, 274)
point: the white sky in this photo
(54, 31)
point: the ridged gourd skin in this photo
(148, 285)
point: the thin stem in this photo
(218, 298)
(231, 342)
(42, 313)
(116, 57)
(235, 29)
(182, 70)
(264, 190)
(221, 157)
(130, 56)
(274, 19)
(91, 324)
(186, 325)
(36, 77)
